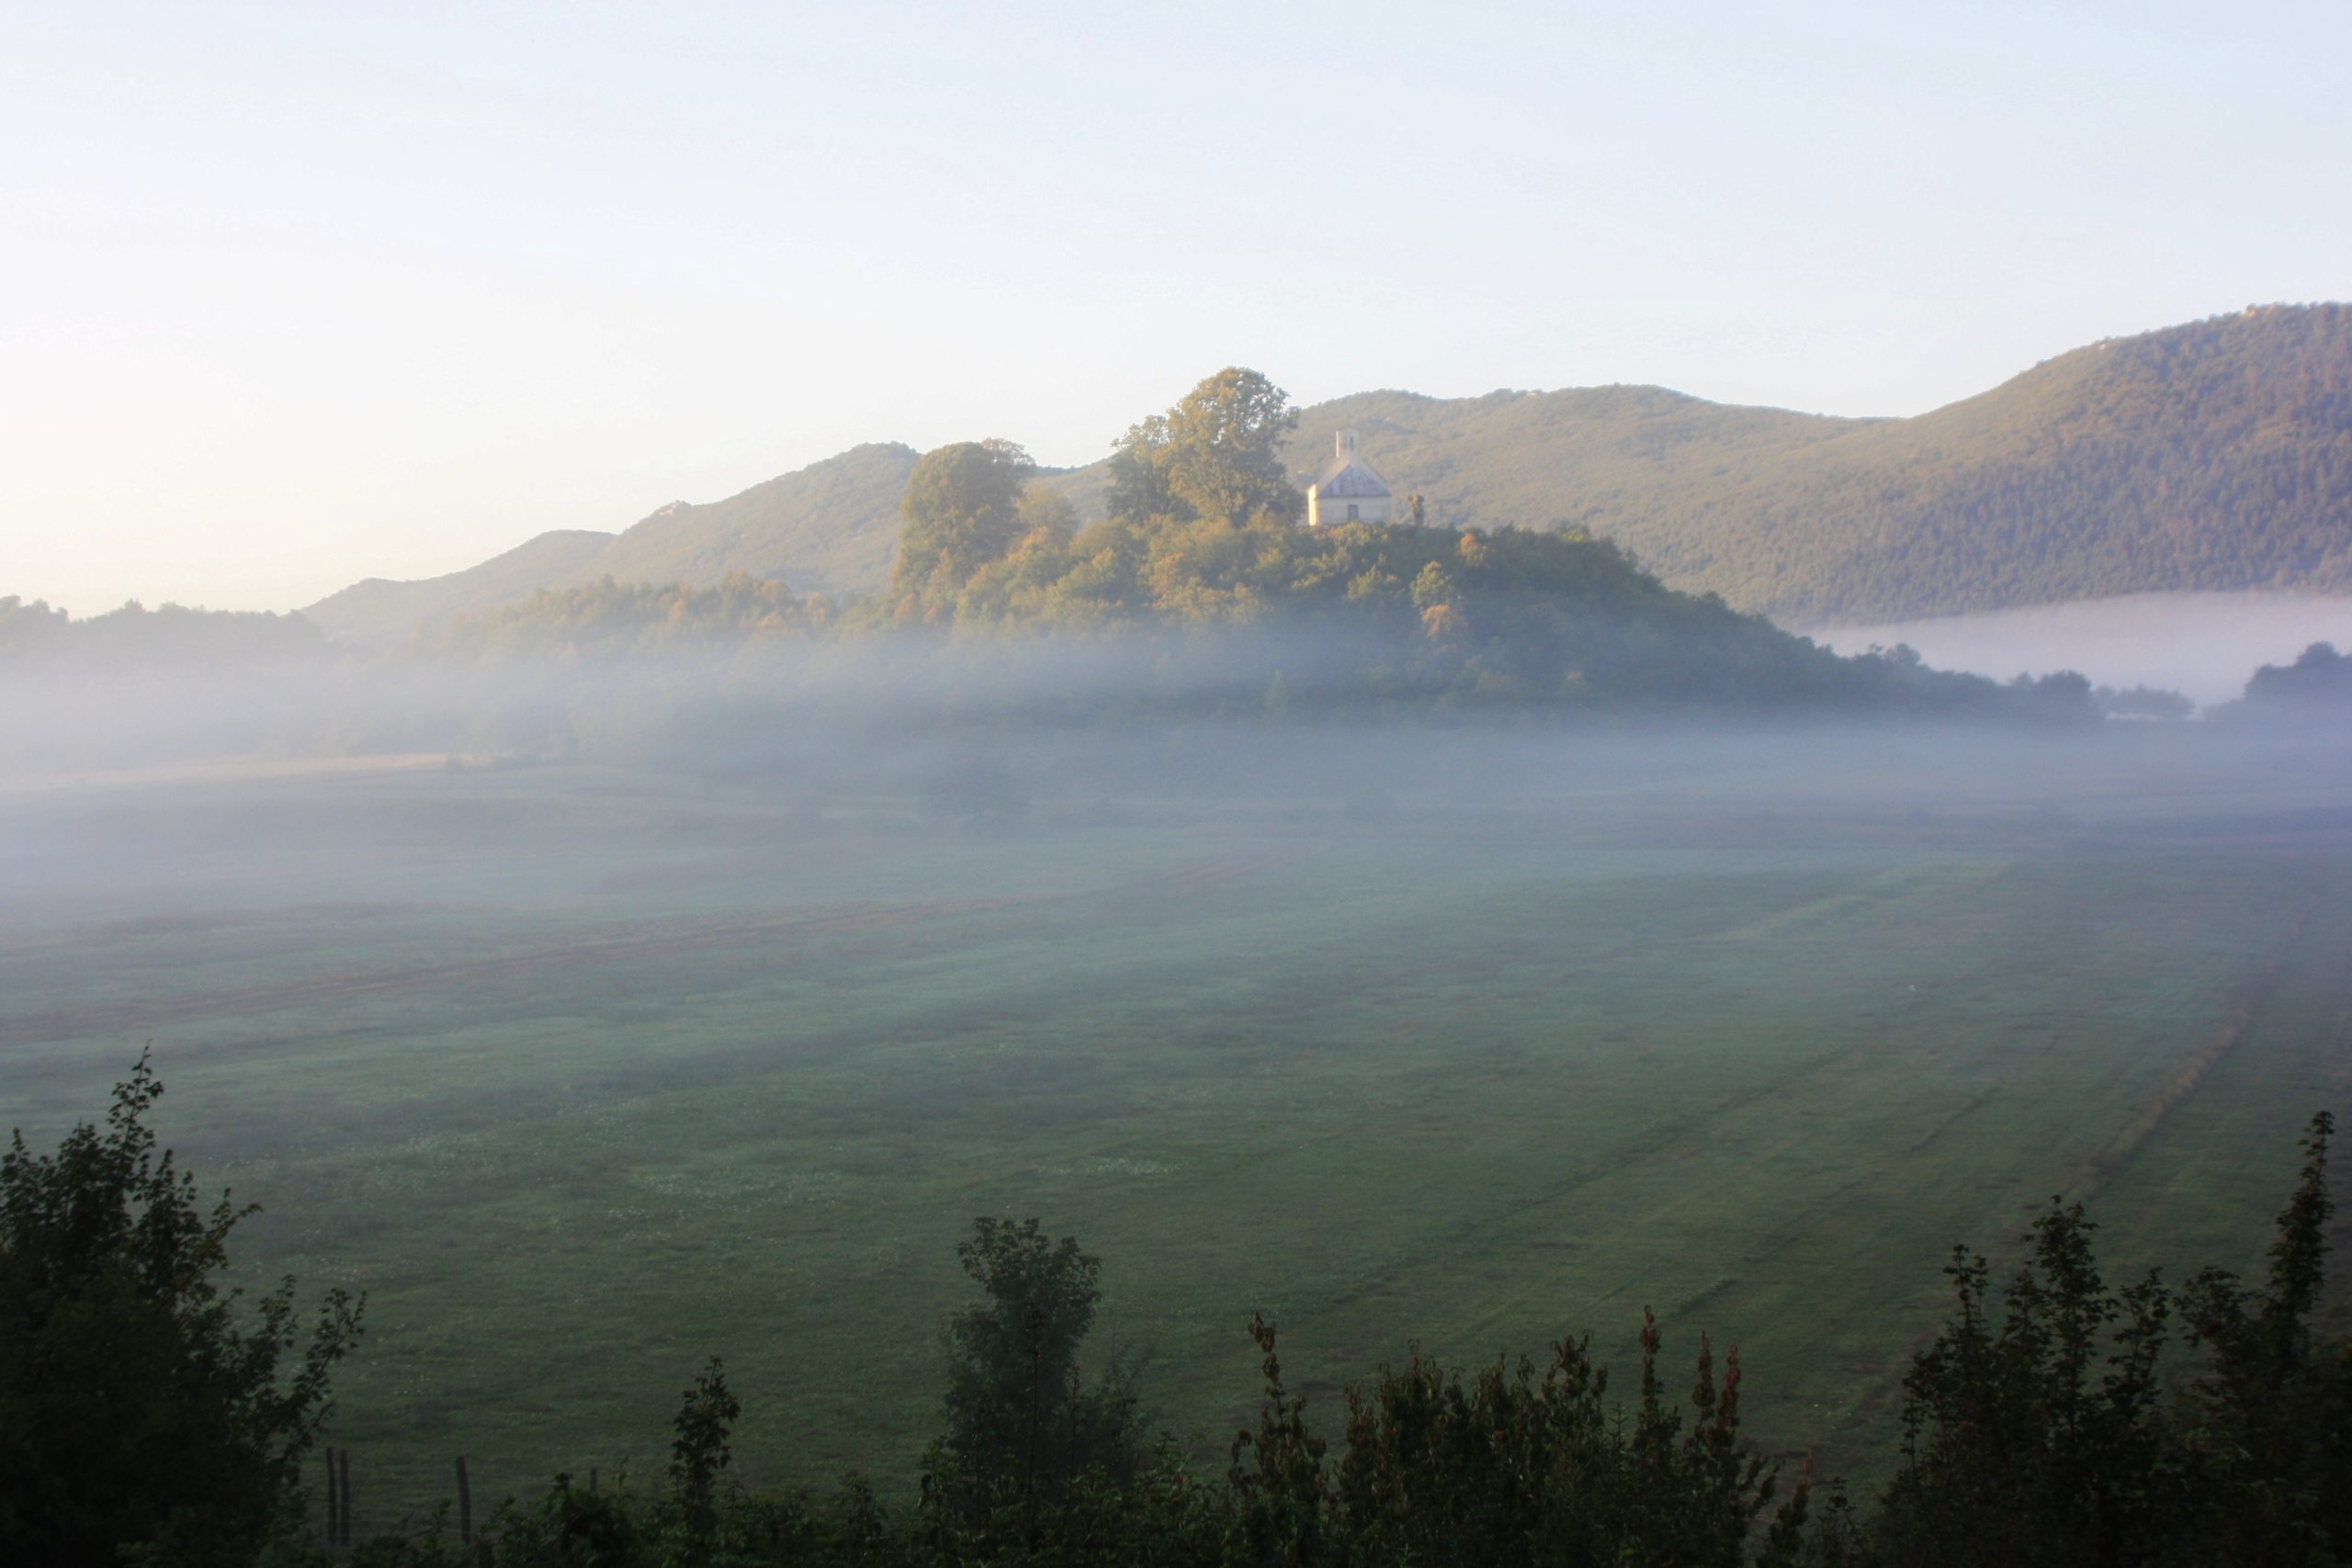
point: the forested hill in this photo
(2213, 456)
(1208, 619)
(381, 610)
(829, 528)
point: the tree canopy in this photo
(141, 1405)
(962, 511)
(1022, 1418)
(1217, 454)
(2319, 676)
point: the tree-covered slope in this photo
(830, 528)
(827, 528)
(2213, 456)
(380, 609)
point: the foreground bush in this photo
(140, 1422)
(2053, 1437)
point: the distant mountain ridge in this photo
(828, 527)
(377, 608)
(2211, 455)
(2216, 455)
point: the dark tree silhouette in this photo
(142, 1406)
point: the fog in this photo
(2200, 645)
(244, 785)
(679, 789)
(595, 1019)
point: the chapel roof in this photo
(1348, 476)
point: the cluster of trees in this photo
(2144, 702)
(35, 636)
(604, 619)
(143, 1418)
(1203, 547)
(1199, 563)
(2047, 1432)
(2319, 677)
(1199, 594)
(142, 1409)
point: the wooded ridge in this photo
(2216, 455)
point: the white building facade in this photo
(1346, 490)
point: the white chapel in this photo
(1346, 490)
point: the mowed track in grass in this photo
(634, 944)
(1733, 1046)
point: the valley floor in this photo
(585, 1077)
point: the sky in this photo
(294, 295)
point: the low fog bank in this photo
(2200, 645)
(726, 808)
(738, 708)
(415, 770)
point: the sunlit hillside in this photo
(2214, 456)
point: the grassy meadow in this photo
(585, 1075)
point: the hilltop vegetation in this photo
(2216, 455)
(1226, 606)
(1201, 537)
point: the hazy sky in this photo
(300, 293)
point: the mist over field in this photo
(711, 1032)
(1410, 934)
(1413, 936)
(2200, 645)
(879, 786)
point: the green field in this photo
(584, 1076)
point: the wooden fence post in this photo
(345, 1457)
(334, 1504)
(465, 1505)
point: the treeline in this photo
(1351, 622)
(141, 1420)
(1200, 587)
(2316, 688)
(1203, 550)
(1200, 595)
(605, 619)
(1194, 617)
(2321, 678)
(36, 638)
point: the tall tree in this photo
(2268, 1424)
(142, 1407)
(1217, 453)
(2035, 1436)
(1022, 1420)
(962, 511)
